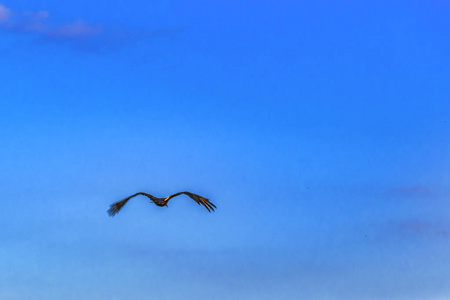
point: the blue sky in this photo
(320, 129)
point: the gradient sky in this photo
(320, 129)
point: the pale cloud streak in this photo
(37, 22)
(4, 14)
(412, 190)
(78, 34)
(74, 30)
(425, 228)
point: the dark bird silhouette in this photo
(115, 207)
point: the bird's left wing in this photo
(115, 207)
(197, 198)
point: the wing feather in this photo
(197, 198)
(117, 206)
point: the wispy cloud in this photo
(37, 22)
(75, 30)
(425, 228)
(79, 34)
(5, 14)
(410, 191)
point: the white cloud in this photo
(79, 34)
(74, 30)
(37, 22)
(5, 14)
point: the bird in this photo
(117, 206)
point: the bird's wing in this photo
(115, 207)
(197, 198)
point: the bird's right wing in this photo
(115, 207)
(197, 198)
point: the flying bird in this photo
(115, 207)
